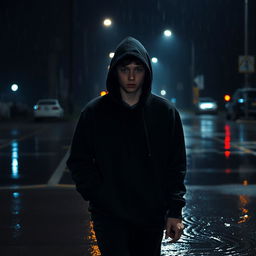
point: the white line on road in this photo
(39, 186)
(242, 148)
(55, 178)
(21, 138)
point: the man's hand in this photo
(174, 228)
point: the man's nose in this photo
(131, 75)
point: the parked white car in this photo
(206, 105)
(48, 108)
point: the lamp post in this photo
(168, 34)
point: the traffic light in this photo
(227, 98)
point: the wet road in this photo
(41, 214)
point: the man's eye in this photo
(140, 69)
(124, 69)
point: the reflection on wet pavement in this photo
(215, 227)
(227, 141)
(91, 238)
(219, 216)
(16, 207)
(221, 199)
(244, 200)
(15, 160)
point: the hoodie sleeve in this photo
(175, 188)
(81, 160)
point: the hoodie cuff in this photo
(174, 213)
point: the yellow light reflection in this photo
(244, 200)
(91, 238)
(245, 182)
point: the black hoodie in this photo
(130, 162)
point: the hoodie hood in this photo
(129, 47)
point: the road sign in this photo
(246, 64)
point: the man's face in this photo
(131, 77)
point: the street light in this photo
(107, 22)
(168, 33)
(154, 60)
(14, 87)
(102, 93)
(163, 92)
(111, 55)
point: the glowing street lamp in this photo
(168, 33)
(154, 60)
(107, 22)
(227, 98)
(111, 55)
(102, 93)
(163, 92)
(14, 87)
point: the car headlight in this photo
(207, 105)
(241, 100)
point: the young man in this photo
(128, 159)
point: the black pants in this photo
(117, 237)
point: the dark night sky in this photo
(35, 34)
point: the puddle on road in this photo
(212, 236)
(91, 238)
(16, 207)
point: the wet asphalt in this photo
(42, 214)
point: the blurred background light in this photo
(154, 60)
(163, 92)
(107, 22)
(111, 55)
(168, 33)
(14, 87)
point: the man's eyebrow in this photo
(125, 65)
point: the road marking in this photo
(31, 154)
(234, 145)
(201, 151)
(232, 189)
(55, 178)
(15, 187)
(25, 187)
(245, 121)
(66, 186)
(22, 138)
(241, 148)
